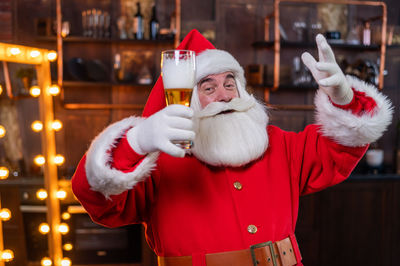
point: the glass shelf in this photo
(104, 40)
(291, 44)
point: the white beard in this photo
(233, 138)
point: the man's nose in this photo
(223, 95)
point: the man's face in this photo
(217, 88)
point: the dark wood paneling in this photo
(80, 129)
(353, 223)
(13, 230)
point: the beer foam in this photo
(178, 74)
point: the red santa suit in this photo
(190, 208)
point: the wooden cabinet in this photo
(353, 223)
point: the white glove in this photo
(328, 74)
(157, 131)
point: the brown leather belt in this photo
(279, 253)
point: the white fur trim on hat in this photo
(214, 61)
(100, 175)
(354, 130)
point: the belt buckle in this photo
(260, 245)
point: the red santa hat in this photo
(208, 61)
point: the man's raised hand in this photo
(327, 73)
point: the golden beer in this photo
(178, 96)
(178, 73)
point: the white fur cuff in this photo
(100, 175)
(349, 129)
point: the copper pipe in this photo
(7, 80)
(383, 46)
(178, 23)
(277, 46)
(59, 44)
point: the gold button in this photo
(252, 229)
(238, 185)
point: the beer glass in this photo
(178, 70)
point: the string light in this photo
(41, 194)
(4, 172)
(51, 56)
(1, 89)
(34, 91)
(56, 125)
(5, 214)
(46, 261)
(54, 90)
(61, 194)
(34, 53)
(68, 246)
(44, 228)
(37, 126)
(63, 228)
(66, 216)
(15, 51)
(39, 160)
(59, 159)
(7, 255)
(2, 131)
(66, 262)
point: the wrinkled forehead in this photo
(216, 77)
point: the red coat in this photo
(184, 193)
(191, 208)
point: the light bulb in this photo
(39, 160)
(61, 194)
(54, 90)
(5, 214)
(34, 91)
(52, 55)
(66, 262)
(66, 216)
(41, 194)
(34, 53)
(15, 51)
(68, 246)
(37, 126)
(2, 131)
(44, 228)
(1, 89)
(46, 261)
(7, 255)
(56, 125)
(4, 172)
(63, 228)
(59, 159)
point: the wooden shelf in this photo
(81, 39)
(289, 87)
(290, 44)
(71, 83)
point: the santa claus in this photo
(234, 198)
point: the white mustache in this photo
(236, 104)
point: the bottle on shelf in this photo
(154, 25)
(138, 23)
(117, 68)
(367, 33)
